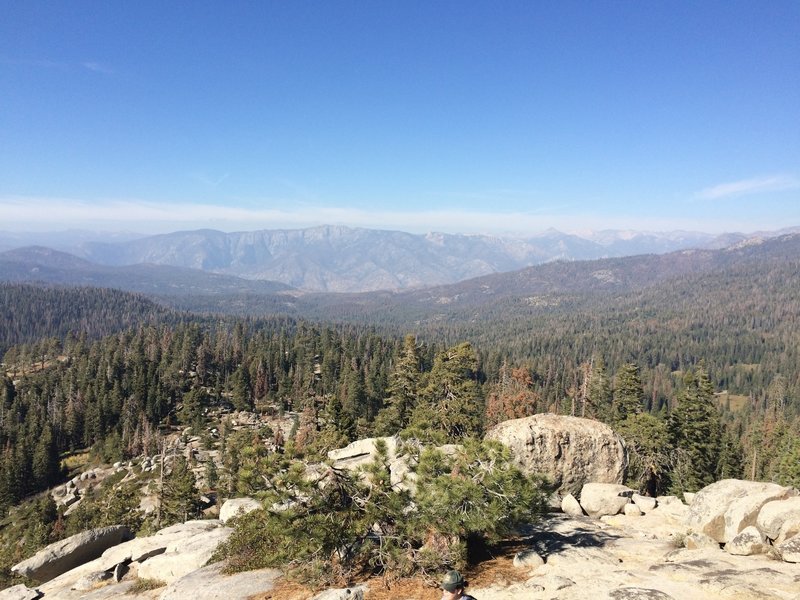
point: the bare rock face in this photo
(569, 451)
(353, 593)
(694, 541)
(601, 499)
(636, 593)
(362, 452)
(723, 509)
(19, 592)
(750, 541)
(142, 548)
(59, 557)
(645, 503)
(209, 583)
(571, 506)
(780, 519)
(235, 507)
(790, 550)
(184, 556)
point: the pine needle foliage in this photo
(326, 526)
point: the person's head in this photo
(453, 585)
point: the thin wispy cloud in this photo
(97, 67)
(49, 214)
(210, 181)
(90, 65)
(747, 187)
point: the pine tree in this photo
(628, 392)
(649, 452)
(450, 406)
(45, 464)
(695, 429)
(242, 390)
(179, 499)
(403, 390)
(787, 462)
(598, 392)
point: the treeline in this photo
(744, 323)
(347, 383)
(31, 312)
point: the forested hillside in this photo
(344, 383)
(695, 363)
(31, 312)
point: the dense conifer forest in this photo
(699, 374)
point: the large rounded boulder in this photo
(569, 451)
(724, 508)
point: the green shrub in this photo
(335, 525)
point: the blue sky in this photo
(451, 116)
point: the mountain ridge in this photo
(335, 258)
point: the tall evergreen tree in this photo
(628, 392)
(598, 391)
(695, 429)
(179, 499)
(450, 405)
(403, 389)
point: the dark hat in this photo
(452, 581)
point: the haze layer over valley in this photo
(345, 259)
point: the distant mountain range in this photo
(334, 258)
(45, 265)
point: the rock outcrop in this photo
(209, 583)
(360, 453)
(19, 592)
(723, 509)
(235, 507)
(790, 550)
(600, 499)
(60, 557)
(780, 519)
(184, 556)
(635, 558)
(569, 451)
(748, 542)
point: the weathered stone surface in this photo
(140, 549)
(688, 497)
(190, 527)
(601, 558)
(645, 503)
(631, 510)
(527, 559)
(554, 583)
(599, 499)
(353, 593)
(209, 583)
(749, 541)
(672, 507)
(60, 557)
(790, 549)
(780, 519)
(722, 509)
(743, 512)
(19, 592)
(571, 506)
(238, 506)
(569, 451)
(362, 452)
(87, 582)
(184, 556)
(693, 541)
(634, 593)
